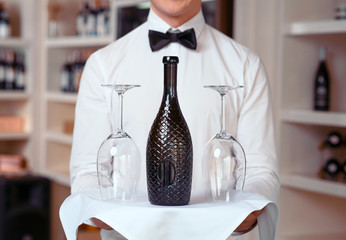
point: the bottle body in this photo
(169, 148)
(10, 71)
(321, 88)
(19, 77)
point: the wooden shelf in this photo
(314, 184)
(315, 27)
(77, 42)
(62, 97)
(14, 42)
(313, 117)
(14, 95)
(334, 236)
(14, 136)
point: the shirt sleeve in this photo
(92, 126)
(256, 132)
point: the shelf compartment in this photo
(298, 73)
(57, 161)
(58, 114)
(300, 147)
(78, 42)
(315, 27)
(313, 184)
(313, 117)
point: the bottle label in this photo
(3, 30)
(64, 80)
(2, 73)
(321, 91)
(101, 25)
(20, 79)
(80, 26)
(10, 75)
(91, 24)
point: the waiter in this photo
(207, 57)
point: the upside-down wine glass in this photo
(223, 157)
(118, 158)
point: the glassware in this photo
(169, 153)
(223, 157)
(118, 158)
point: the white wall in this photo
(256, 26)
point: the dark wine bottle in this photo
(332, 167)
(9, 70)
(169, 147)
(334, 139)
(19, 74)
(344, 169)
(321, 89)
(2, 69)
(81, 21)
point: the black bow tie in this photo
(158, 39)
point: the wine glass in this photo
(118, 158)
(223, 157)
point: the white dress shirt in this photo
(217, 60)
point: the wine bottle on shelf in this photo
(334, 139)
(91, 20)
(9, 70)
(169, 147)
(340, 11)
(19, 73)
(64, 78)
(100, 19)
(2, 70)
(107, 17)
(321, 88)
(332, 167)
(82, 19)
(78, 67)
(344, 170)
(67, 75)
(5, 28)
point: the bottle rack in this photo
(58, 106)
(304, 27)
(20, 103)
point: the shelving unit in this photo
(305, 26)
(20, 103)
(57, 107)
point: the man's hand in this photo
(249, 221)
(101, 224)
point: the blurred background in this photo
(45, 43)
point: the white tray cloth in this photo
(142, 220)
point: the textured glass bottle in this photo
(169, 147)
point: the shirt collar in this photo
(157, 24)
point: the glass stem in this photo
(223, 117)
(120, 112)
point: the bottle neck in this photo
(323, 54)
(170, 80)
